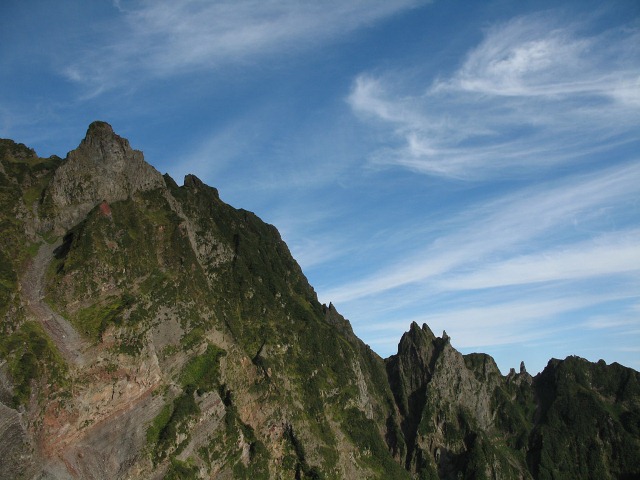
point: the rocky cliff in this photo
(149, 330)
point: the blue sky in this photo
(471, 165)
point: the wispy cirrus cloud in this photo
(490, 238)
(164, 38)
(607, 254)
(533, 94)
(502, 323)
(534, 56)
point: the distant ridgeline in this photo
(149, 330)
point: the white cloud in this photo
(525, 317)
(533, 94)
(500, 323)
(501, 228)
(534, 56)
(605, 255)
(303, 228)
(630, 349)
(162, 38)
(210, 156)
(312, 251)
(607, 323)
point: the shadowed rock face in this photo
(149, 330)
(462, 419)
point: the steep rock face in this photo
(103, 167)
(149, 330)
(462, 419)
(447, 403)
(16, 450)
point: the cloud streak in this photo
(605, 255)
(164, 38)
(531, 95)
(499, 228)
(532, 56)
(510, 322)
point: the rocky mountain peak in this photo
(104, 167)
(411, 368)
(419, 334)
(418, 342)
(102, 144)
(191, 181)
(99, 127)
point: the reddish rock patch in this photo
(105, 209)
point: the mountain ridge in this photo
(152, 331)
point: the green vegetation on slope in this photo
(31, 356)
(584, 430)
(202, 373)
(172, 420)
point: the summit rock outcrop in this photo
(104, 167)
